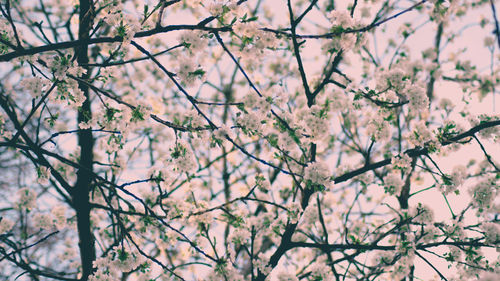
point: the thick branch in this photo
(414, 152)
(83, 185)
(91, 41)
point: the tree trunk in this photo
(86, 142)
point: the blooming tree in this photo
(249, 140)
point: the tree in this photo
(249, 140)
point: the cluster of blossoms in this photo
(428, 233)
(34, 85)
(484, 193)
(358, 231)
(55, 219)
(194, 41)
(422, 214)
(455, 230)
(227, 9)
(294, 211)
(254, 43)
(398, 80)
(67, 89)
(393, 183)
(119, 118)
(261, 39)
(5, 225)
(405, 249)
(402, 267)
(261, 105)
(63, 65)
(286, 142)
(4, 133)
(317, 173)
(176, 207)
(117, 261)
(309, 216)
(401, 162)
(110, 144)
(199, 217)
(314, 122)
(188, 69)
(488, 133)
(189, 64)
(454, 253)
(383, 259)
(262, 183)
(421, 135)
(224, 270)
(456, 179)
(346, 41)
(222, 132)
(417, 98)
(251, 121)
(123, 25)
(239, 236)
(378, 128)
(339, 101)
(6, 34)
(43, 175)
(320, 271)
(491, 232)
(442, 13)
(26, 199)
(68, 92)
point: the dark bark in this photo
(432, 80)
(83, 185)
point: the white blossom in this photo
(287, 276)
(183, 157)
(294, 211)
(194, 40)
(251, 121)
(401, 162)
(320, 271)
(454, 253)
(239, 236)
(36, 86)
(59, 216)
(222, 132)
(423, 214)
(458, 175)
(26, 199)
(43, 221)
(378, 128)
(383, 259)
(483, 193)
(5, 225)
(491, 232)
(393, 183)
(420, 135)
(417, 97)
(43, 175)
(318, 173)
(341, 18)
(215, 8)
